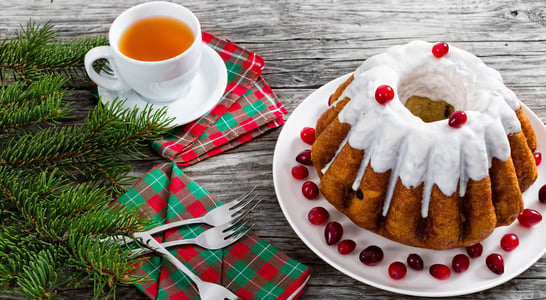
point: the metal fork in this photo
(235, 209)
(207, 290)
(214, 238)
(231, 212)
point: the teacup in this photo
(156, 76)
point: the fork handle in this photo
(144, 251)
(179, 223)
(156, 246)
(177, 243)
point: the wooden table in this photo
(306, 44)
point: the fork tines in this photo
(238, 230)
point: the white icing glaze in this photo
(430, 153)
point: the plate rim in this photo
(331, 85)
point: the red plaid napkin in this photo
(251, 267)
(247, 109)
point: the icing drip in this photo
(362, 168)
(429, 153)
(393, 180)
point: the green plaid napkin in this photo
(251, 268)
(247, 109)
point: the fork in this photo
(219, 215)
(228, 213)
(214, 238)
(207, 290)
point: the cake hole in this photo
(429, 110)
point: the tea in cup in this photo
(155, 49)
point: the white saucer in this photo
(205, 92)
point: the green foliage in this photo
(57, 178)
(36, 52)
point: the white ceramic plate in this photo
(418, 283)
(206, 90)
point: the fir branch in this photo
(58, 180)
(39, 279)
(36, 52)
(108, 129)
(40, 102)
(105, 263)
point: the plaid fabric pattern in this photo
(247, 109)
(251, 267)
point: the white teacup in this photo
(158, 81)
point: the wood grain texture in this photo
(306, 44)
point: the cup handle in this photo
(103, 52)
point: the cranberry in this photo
(529, 217)
(304, 157)
(310, 190)
(346, 246)
(542, 194)
(509, 242)
(333, 232)
(415, 262)
(384, 94)
(460, 263)
(331, 99)
(495, 263)
(397, 270)
(300, 172)
(440, 49)
(371, 256)
(307, 135)
(440, 271)
(538, 158)
(457, 119)
(475, 250)
(318, 215)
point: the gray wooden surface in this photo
(306, 44)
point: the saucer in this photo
(205, 92)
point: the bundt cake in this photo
(425, 145)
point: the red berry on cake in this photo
(440, 49)
(384, 94)
(457, 119)
(307, 135)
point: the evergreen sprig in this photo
(58, 179)
(36, 52)
(23, 105)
